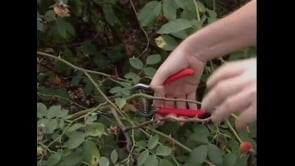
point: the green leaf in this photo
(234, 146)
(115, 89)
(203, 139)
(242, 161)
(180, 34)
(90, 152)
(109, 14)
(198, 155)
(153, 141)
(64, 28)
(72, 159)
(142, 157)
(189, 9)
(53, 111)
(201, 130)
(54, 158)
(75, 127)
(90, 49)
(76, 80)
(136, 63)
(41, 110)
(89, 87)
(149, 13)
(149, 71)
(61, 123)
(134, 77)
(166, 42)
(175, 26)
(114, 156)
(63, 114)
(40, 25)
(153, 59)
(200, 134)
(103, 161)
(120, 102)
(76, 138)
(169, 9)
(43, 121)
(96, 129)
(230, 159)
(52, 125)
(126, 91)
(214, 154)
(165, 162)
(90, 119)
(151, 161)
(101, 61)
(163, 150)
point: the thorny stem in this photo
(170, 138)
(63, 98)
(235, 133)
(77, 67)
(160, 98)
(145, 34)
(89, 110)
(114, 109)
(64, 131)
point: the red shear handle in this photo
(181, 112)
(179, 75)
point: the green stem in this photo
(142, 29)
(235, 133)
(76, 67)
(197, 10)
(214, 5)
(86, 111)
(172, 139)
(175, 161)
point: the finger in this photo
(158, 92)
(181, 104)
(235, 103)
(159, 121)
(158, 103)
(192, 96)
(169, 104)
(224, 72)
(222, 90)
(181, 123)
(246, 118)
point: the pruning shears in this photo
(148, 109)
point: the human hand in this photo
(233, 90)
(184, 88)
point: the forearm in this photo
(232, 33)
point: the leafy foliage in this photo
(91, 53)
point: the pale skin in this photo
(232, 87)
